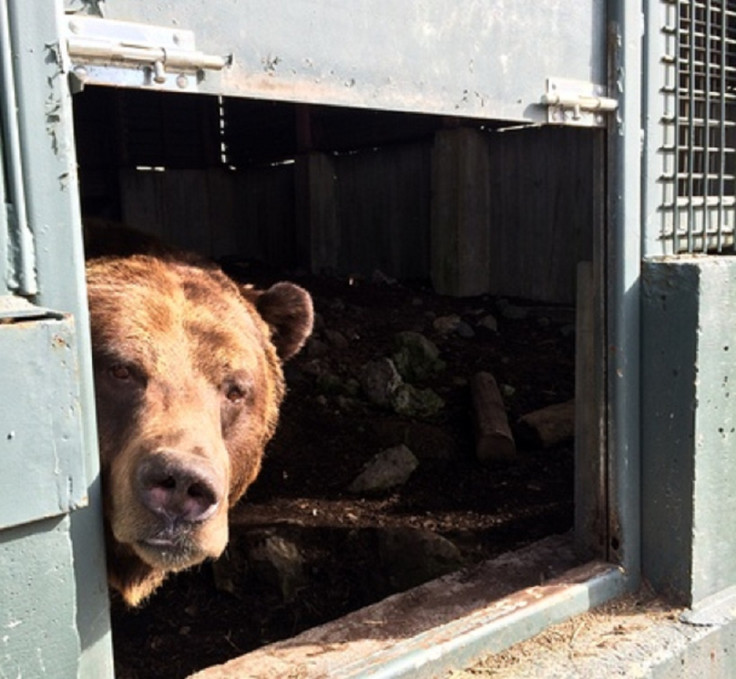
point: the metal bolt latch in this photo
(573, 102)
(125, 53)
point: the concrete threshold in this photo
(442, 625)
(637, 635)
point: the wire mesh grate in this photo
(699, 126)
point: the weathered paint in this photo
(688, 425)
(622, 289)
(38, 635)
(40, 439)
(435, 57)
(54, 587)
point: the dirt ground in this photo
(326, 435)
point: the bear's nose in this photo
(180, 488)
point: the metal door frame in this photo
(52, 254)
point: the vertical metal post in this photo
(623, 300)
(691, 143)
(23, 280)
(707, 128)
(722, 132)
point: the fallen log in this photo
(493, 438)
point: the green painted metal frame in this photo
(54, 618)
(623, 288)
(432, 57)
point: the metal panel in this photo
(52, 577)
(693, 57)
(466, 59)
(38, 635)
(40, 443)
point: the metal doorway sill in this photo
(443, 624)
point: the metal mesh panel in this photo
(699, 126)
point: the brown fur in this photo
(187, 372)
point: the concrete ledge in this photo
(637, 635)
(442, 624)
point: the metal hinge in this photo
(105, 52)
(574, 102)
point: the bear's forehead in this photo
(170, 316)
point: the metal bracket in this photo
(574, 102)
(121, 53)
(14, 308)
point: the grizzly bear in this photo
(188, 382)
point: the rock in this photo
(412, 402)
(278, 562)
(388, 469)
(329, 383)
(415, 357)
(229, 571)
(346, 404)
(336, 339)
(379, 380)
(410, 556)
(444, 325)
(351, 386)
(314, 367)
(464, 330)
(548, 426)
(316, 348)
(488, 322)
(507, 390)
(515, 313)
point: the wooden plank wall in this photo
(541, 213)
(383, 198)
(543, 209)
(216, 211)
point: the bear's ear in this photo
(288, 309)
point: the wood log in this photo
(493, 438)
(548, 426)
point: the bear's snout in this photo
(178, 488)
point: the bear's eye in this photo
(234, 394)
(120, 371)
(237, 391)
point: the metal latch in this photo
(574, 102)
(106, 52)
